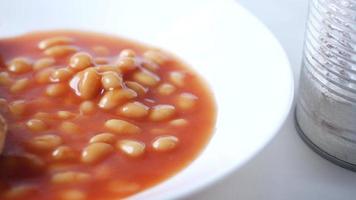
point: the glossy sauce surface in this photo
(162, 119)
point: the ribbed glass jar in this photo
(326, 105)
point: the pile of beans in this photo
(82, 108)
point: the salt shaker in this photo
(326, 106)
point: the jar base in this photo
(319, 151)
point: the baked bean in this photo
(101, 61)
(131, 148)
(123, 187)
(133, 110)
(63, 153)
(121, 127)
(150, 101)
(43, 63)
(73, 195)
(95, 152)
(156, 56)
(177, 78)
(21, 191)
(20, 85)
(166, 89)
(34, 164)
(138, 88)
(70, 177)
(126, 64)
(3, 105)
(50, 42)
(5, 79)
(43, 116)
(36, 125)
(44, 143)
(101, 50)
(146, 78)
(69, 128)
(108, 138)
(178, 122)
(107, 68)
(20, 65)
(152, 66)
(87, 107)
(109, 100)
(55, 167)
(56, 89)
(162, 112)
(127, 53)
(89, 85)
(81, 144)
(44, 75)
(113, 98)
(80, 61)
(61, 74)
(186, 101)
(63, 114)
(111, 80)
(60, 50)
(165, 143)
(43, 102)
(21, 165)
(17, 108)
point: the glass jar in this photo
(326, 106)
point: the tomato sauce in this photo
(31, 159)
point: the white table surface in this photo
(286, 168)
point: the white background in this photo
(286, 168)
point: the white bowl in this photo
(245, 66)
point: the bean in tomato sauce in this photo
(92, 116)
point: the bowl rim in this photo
(185, 193)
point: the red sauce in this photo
(117, 174)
